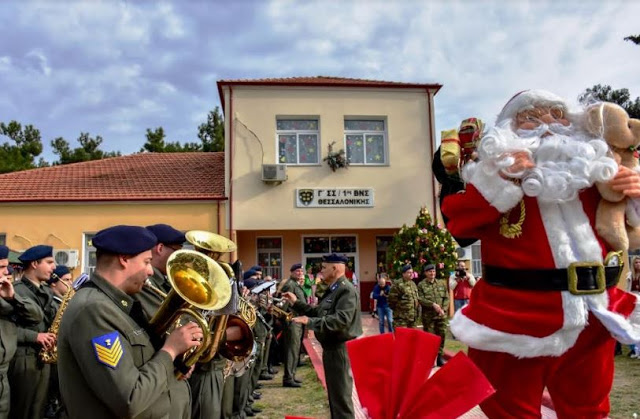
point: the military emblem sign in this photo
(305, 196)
(108, 349)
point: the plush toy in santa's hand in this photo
(547, 309)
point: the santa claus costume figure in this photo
(547, 309)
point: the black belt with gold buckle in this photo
(580, 278)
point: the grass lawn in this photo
(309, 400)
(625, 394)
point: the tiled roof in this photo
(137, 177)
(324, 81)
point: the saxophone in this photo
(50, 356)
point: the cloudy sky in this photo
(117, 67)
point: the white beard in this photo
(567, 161)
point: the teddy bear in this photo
(617, 218)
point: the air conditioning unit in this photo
(274, 172)
(66, 257)
(464, 253)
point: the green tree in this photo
(22, 154)
(421, 244)
(156, 143)
(89, 149)
(211, 133)
(607, 94)
(633, 38)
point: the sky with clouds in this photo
(117, 67)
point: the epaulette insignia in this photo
(108, 349)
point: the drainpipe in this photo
(432, 142)
(234, 254)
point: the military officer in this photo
(292, 330)
(433, 295)
(107, 364)
(403, 299)
(335, 320)
(11, 304)
(28, 377)
(169, 240)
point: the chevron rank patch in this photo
(108, 349)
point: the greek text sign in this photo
(334, 197)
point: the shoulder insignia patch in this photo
(108, 349)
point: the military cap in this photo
(167, 234)
(295, 266)
(38, 252)
(124, 240)
(406, 267)
(335, 258)
(248, 274)
(257, 268)
(428, 267)
(59, 271)
(4, 252)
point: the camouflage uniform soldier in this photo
(433, 295)
(403, 299)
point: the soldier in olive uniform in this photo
(292, 330)
(107, 364)
(169, 240)
(403, 299)
(11, 304)
(433, 295)
(335, 320)
(28, 377)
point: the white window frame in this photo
(86, 250)
(269, 269)
(364, 135)
(476, 259)
(297, 133)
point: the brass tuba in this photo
(197, 282)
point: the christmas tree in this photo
(422, 244)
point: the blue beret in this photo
(38, 252)
(335, 258)
(253, 282)
(61, 270)
(248, 274)
(167, 234)
(295, 266)
(406, 267)
(124, 240)
(256, 268)
(4, 252)
(429, 267)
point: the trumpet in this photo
(275, 305)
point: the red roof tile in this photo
(324, 81)
(137, 177)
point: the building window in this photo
(476, 260)
(3, 239)
(315, 247)
(270, 256)
(382, 248)
(298, 141)
(88, 254)
(366, 141)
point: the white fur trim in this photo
(500, 193)
(632, 212)
(484, 338)
(569, 233)
(624, 330)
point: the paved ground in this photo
(370, 327)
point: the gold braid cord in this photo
(511, 231)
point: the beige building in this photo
(286, 205)
(64, 206)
